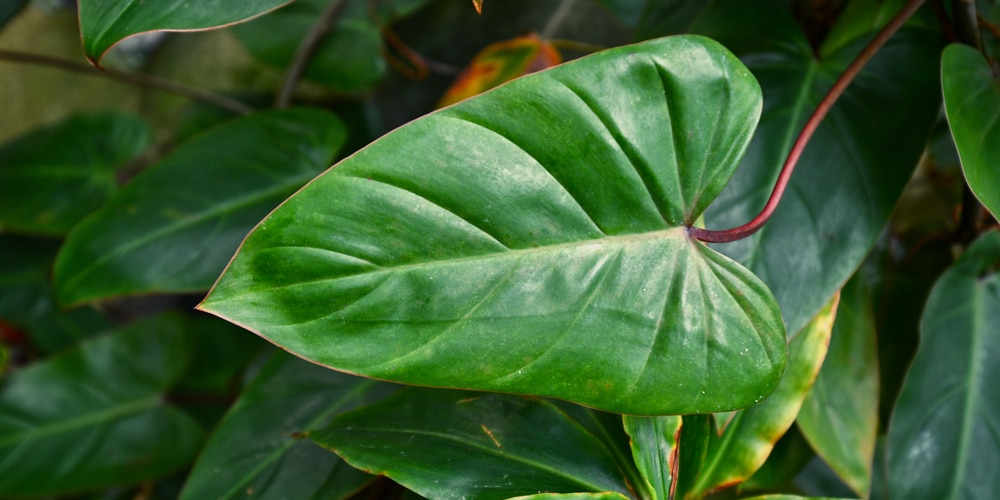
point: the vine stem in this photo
(307, 47)
(738, 233)
(138, 79)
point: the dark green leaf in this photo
(943, 440)
(54, 176)
(855, 166)
(654, 448)
(972, 102)
(9, 9)
(609, 429)
(663, 17)
(451, 444)
(572, 496)
(629, 11)
(751, 433)
(350, 56)
(788, 497)
(27, 301)
(787, 459)
(697, 432)
(839, 417)
(96, 416)
(172, 228)
(530, 240)
(104, 23)
(220, 351)
(258, 446)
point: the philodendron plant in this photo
(599, 281)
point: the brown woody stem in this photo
(138, 79)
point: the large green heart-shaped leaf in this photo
(104, 23)
(944, 439)
(256, 448)
(97, 415)
(856, 164)
(531, 240)
(173, 226)
(971, 91)
(457, 444)
(52, 177)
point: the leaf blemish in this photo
(492, 437)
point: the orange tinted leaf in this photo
(478, 4)
(501, 62)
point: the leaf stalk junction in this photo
(748, 229)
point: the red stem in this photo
(738, 233)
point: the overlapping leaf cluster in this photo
(511, 276)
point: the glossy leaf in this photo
(104, 23)
(54, 176)
(96, 416)
(478, 4)
(27, 301)
(530, 241)
(943, 439)
(451, 444)
(258, 446)
(752, 433)
(839, 417)
(855, 166)
(501, 62)
(172, 228)
(697, 432)
(971, 89)
(655, 443)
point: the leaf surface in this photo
(655, 443)
(104, 23)
(172, 228)
(839, 417)
(53, 177)
(258, 446)
(971, 91)
(350, 56)
(943, 439)
(96, 416)
(751, 434)
(451, 444)
(28, 303)
(531, 240)
(855, 166)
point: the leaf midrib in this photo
(490, 450)
(85, 420)
(974, 368)
(279, 451)
(609, 241)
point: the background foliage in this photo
(124, 193)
